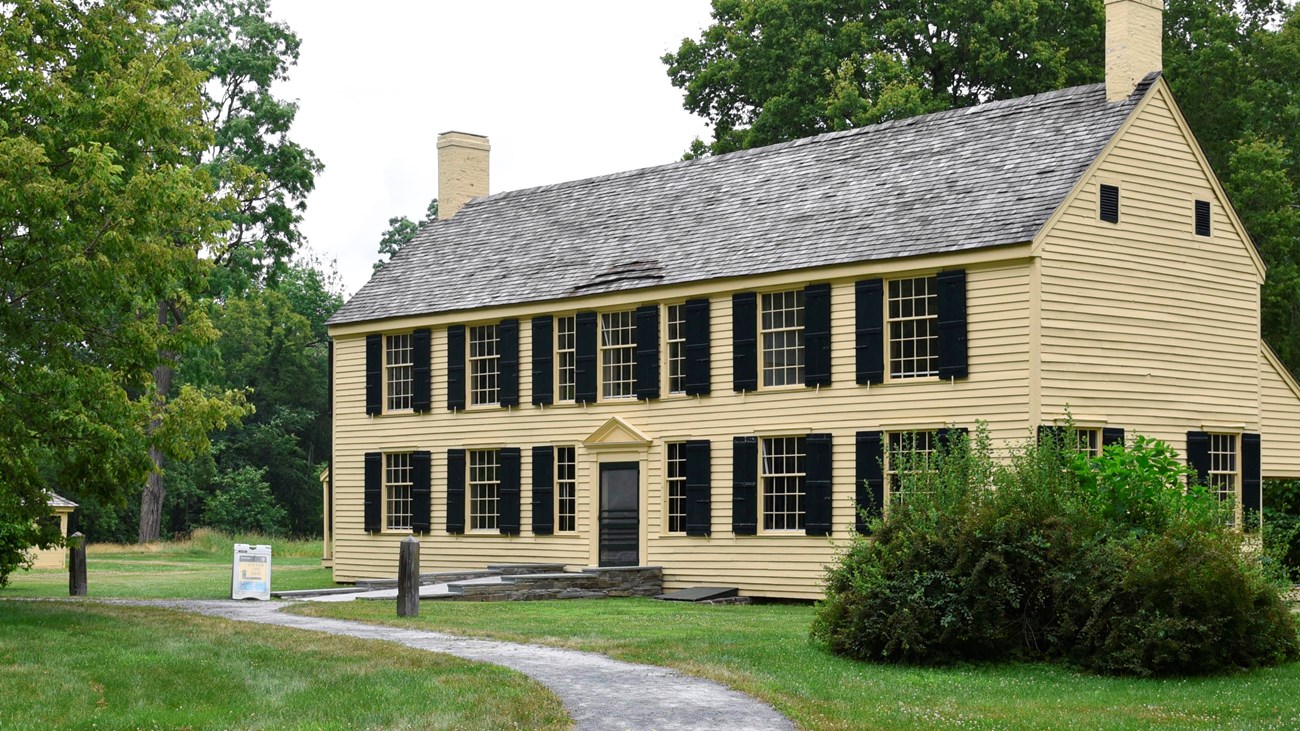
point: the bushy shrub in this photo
(1282, 527)
(243, 503)
(1106, 561)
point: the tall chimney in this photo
(462, 170)
(1134, 32)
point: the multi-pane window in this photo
(566, 356)
(676, 487)
(1223, 465)
(484, 489)
(782, 330)
(909, 453)
(1089, 441)
(397, 491)
(566, 490)
(484, 365)
(913, 328)
(398, 366)
(676, 348)
(783, 482)
(618, 354)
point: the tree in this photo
(101, 218)
(400, 232)
(260, 173)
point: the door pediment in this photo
(617, 432)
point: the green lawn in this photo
(198, 568)
(81, 665)
(764, 650)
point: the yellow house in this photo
(57, 557)
(704, 366)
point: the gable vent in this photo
(1110, 203)
(633, 271)
(1202, 218)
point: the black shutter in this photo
(744, 341)
(455, 367)
(543, 360)
(329, 399)
(952, 436)
(817, 335)
(374, 374)
(584, 375)
(1202, 218)
(647, 352)
(698, 365)
(952, 323)
(543, 491)
(744, 486)
(1054, 433)
(870, 484)
(1109, 203)
(455, 491)
(421, 372)
(870, 327)
(1198, 455)
(372, 493)
(1252, 497)
(508, 491)
(508, 344)
(818, 486)
(421, 493)
(699, 488)
(1111, 435)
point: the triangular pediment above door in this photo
(617, 432)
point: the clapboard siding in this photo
(1143, 324)
(1280, 416)
(996, 391)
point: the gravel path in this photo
(598, 692)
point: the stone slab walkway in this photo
(600, 693)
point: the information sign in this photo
(251, 572)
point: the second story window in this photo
(398, 371)
(913, 328)
(781, 327)
(676, 348)
(565, 356)
(618, 354)
(484, 365)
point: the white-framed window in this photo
(484, 489)
(781, 328)
(913, 327)
(676, 348)
(484, 365)
(1224, 465)
(618, 354)
(566, 357)
(784, 478)
(566, 489)
(397, 491)
(676, 479)
(909, 451)
(399, 369)
(1088, 441)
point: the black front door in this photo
(620, 517)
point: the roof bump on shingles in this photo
(968, 178)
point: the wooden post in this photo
(76, 565)
(408, 578)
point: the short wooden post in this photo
(76, 565)
(408, 578)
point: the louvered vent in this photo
(1202, 218)
(1110, 203)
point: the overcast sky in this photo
(565, 89)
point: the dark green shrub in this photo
(1282, 527)
(1108, 562)
(243, 504)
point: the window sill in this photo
(787, 533)
(911, 379)
(396, 412)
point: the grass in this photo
(197, 568)
(764, 650)
(80, 665)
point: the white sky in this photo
(564, 89)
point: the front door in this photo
(620, 517)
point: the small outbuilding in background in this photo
(57, 556)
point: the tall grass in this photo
(205, 542)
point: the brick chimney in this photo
(1134, 32)
(462, 170)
